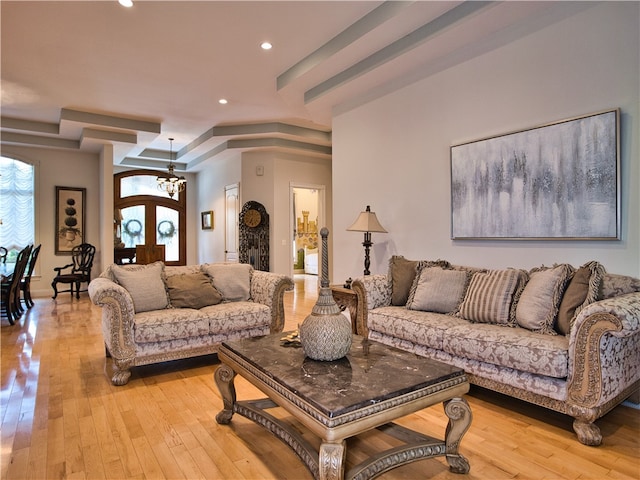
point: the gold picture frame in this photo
(206, 220)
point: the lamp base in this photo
(367, 247)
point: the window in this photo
(149, 216)
(17, 205)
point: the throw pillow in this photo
(232, 280)
(402, 272)
(437, 290)
(523, 278)
(192, 291)
(145, 285)
(488, 298)
(583, 289)
(538, 305)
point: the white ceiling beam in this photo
(395, 49)
(366, 24)
(38, 140)
(71, 115)
(29, 125)
(108, 136)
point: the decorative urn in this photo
(326, 333)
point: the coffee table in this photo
(369, 388)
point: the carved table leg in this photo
(459, 413)
(224, 376)
(332, 456)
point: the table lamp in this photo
(367, 222)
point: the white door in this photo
(232, 208)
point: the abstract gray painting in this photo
(558, 181)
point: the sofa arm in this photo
(372, 291)
(268, 288)
(117, 317)
(604, 352)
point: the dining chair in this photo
(79, 270)
(25, 283)
(3, 254)
(10, 287)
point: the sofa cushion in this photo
(516, 348)
(582, 290)
(169, 324)
(538, 305)
(232, 280)
(426, 328)
(236, 316)
(192, 291)
(437, 290)
(145, 285)
(489, 296)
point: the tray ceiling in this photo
(78, 75)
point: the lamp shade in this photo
(367, 222)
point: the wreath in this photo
(166, 229)
(133, 228)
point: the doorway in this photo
(307, 218)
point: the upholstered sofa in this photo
(154, 313)
(564, 338)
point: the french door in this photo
(148, 216)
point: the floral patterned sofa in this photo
(154, 313)
(564, 338)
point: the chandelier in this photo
(171, 183)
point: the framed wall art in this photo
(206, 220)
(70, 218)
(558, 181)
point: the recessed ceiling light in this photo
(126, 3)
(266, 46)
(223, 101)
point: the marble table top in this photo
(369, 374)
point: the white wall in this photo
(393, 153)
(95, 173)
(66, 169)
(297, 171)
(272, 190)
(211, 196)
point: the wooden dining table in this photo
(6, 269)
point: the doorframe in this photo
(226, 221)
(321, 217)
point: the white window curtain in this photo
(16, 204)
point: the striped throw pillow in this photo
(488, 298)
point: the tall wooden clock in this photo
(254, 236)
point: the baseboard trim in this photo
(628, 403)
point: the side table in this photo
(120, 254)
(346, 298)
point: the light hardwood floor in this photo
(62, 418)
